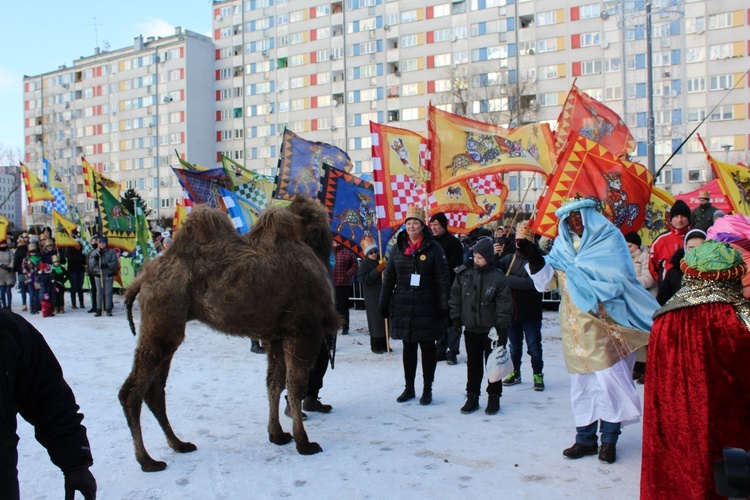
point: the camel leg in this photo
(275, 379)
(131, 399)
(156, 401)
(301, 353)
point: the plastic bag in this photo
(498, 364)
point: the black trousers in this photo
(343, 295)
(318, 371)
(429, 361)
(478, 349)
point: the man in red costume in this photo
(667, 243)
(697, 395)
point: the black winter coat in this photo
(21, 252)
(32, 384)
(527, 302)
(76, 259)
(480, 299)
(415, 312)
(454, 251)
(371, 280)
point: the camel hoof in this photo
(153, 466)
(309, 449)
(184, 447)
(280, 439)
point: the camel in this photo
(272, 284)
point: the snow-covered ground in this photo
(373, 447)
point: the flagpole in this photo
(739, 80)
(387, 333)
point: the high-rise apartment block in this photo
(324, 69)
(127, 111)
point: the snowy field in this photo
(373, 447)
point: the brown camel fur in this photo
(272, 284)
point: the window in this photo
(695, 175)
(613, 93)
(719, 143)
(322, 78)
(591, 67)
(696, 54)
(595, 93)
(696, 84)
(547, 72)
(413, 40)
(612, 64)
(546, 45)
(696, 115)
(442, 60)
(721, 51)
(549, 99)
(546, 18)
(591, 39)
(721, 113)
(695, 24)
(441, 10)
(721, 82)
(410, 114)
(409, 16)
(409, 65)
(297, 82)
(443, 85)
(410, 89)
(589, 11)
(718, 21)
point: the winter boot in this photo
(538, 381)
(62, 309)
(24, 308)
(471, 405)
(407, 394)
(426, 394)
(580, 450)
(74, 306)
(312, 403)
(512, 379)
(288, 411)
(493, 404)
(608, 453)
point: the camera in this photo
(732, 473)
(501, 240)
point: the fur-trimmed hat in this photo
(484, 247)
(441, 219)
(368, 244)
(634, 238)
(415, 212)
(679, 208)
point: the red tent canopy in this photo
(717, 197)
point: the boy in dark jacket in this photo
(480, 299)
(527, 314)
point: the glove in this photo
(6, 267)
(80, 479)
(532, 253)
(381, 267)
(457, 324)
(385, 311)
(502, 336)
(443, 313)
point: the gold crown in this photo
(415, 212)
(367, 244)
(523, 231)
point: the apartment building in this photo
(127, 111)
(11, 192)
(324, 69)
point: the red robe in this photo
(697, 399)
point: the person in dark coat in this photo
(370, 275)
(414, 296)
(480, 300)
(527, 314)
(18, 257)
(449, 347)
(343, 275)
(76, 270)
(91, 274)
(32, 384)
(702, 216)
(673, 279)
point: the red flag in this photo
(586, 169)
(595, 121)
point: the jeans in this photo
(92, 287)
(533, 331)
(6, 295)
(586, 435)
(478, 349)
(23, 288)
(104, 293)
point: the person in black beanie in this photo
(449, 346)
(666, 244)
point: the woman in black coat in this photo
(370, 275)
(414, 296)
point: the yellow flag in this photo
(36, 189)
(4, 223)
(64, 230)
(93, 180)
(734, 181)
(657, 215)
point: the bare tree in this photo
(490, 96)
(11, 156)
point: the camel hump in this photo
(277, 224)
(204, 225)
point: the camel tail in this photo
(130, 294)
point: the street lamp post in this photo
(726, 148)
